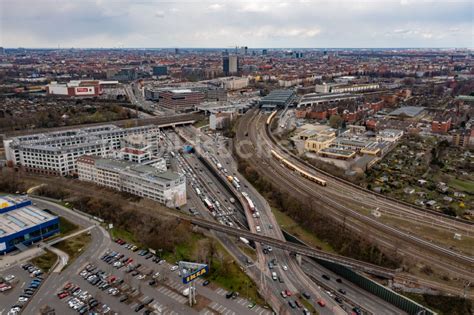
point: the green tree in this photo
(335, 121)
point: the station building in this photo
(22, 223)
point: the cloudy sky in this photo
(258, 23)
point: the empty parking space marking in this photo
(173, 295)
(221, 291)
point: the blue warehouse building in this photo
(22, 223)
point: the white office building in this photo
(55, 153)
(167, 187)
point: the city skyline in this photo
(213, 24)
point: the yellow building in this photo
(318, 143)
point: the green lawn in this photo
(248, 251)
(464, 185)
(308, 305)
(123, 235)
(184, 251)
(289, 225)
(66, 226)
(232, 277)
(74, 246)
(45, 261)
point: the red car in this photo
(322, 303)
(288, 292)
(63, 294)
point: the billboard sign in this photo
(193, 276)
(193, 271)
(85, 90)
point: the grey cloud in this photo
(306, 23)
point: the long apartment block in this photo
(55, 153)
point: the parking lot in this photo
(124, 281)
(19, 284)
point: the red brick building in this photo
(180, 100)
(441, 125)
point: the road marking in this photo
(22, 285)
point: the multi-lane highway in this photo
(293, 277)
(252, 137)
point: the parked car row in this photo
(141, 252)
(6, 282)
(28, 292)
(32, 269)
(101, 279)
(81, 300)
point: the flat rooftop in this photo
(410, 111)
(135, 169)
(20, 219)
(337, 151)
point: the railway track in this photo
(462, 267)
(448, 223)
(343, 184)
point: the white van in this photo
(258, 229)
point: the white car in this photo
(9, 278)
(22, 299)
(174, 268)
(285, 267)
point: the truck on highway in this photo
(250, 203)
(236, 185)
(244, 240)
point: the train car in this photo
(269, 119)
(302, 172)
